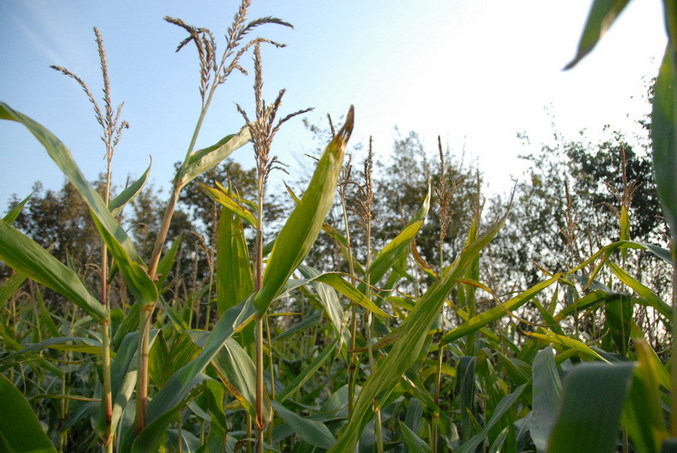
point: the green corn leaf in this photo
(567, 343)
(602, 14)
(129, 193)
(72, 343)
(64, 160)
(165, 265)
(234, 277)
(9, 287)
(589, 301)
(312, 431)
(221, 197)
(11, 216)
(207, 158)
(412, 440)
(393, 251)
(114, 236)
(607, 250)
(123, 378)
(664, 135)
(652, 299)
(352, 293)
(545, 397)
(162, 408)
(310, 319)
(329, 301)
(238, 373)
(20, 430)
(501, 408)
(593, 395)
(133, 270)
(642, 415)
(304, 224)
(498, 312)
(24, 255)
(466, 390)
(45, 315)
(618, 312)
(412, 338)
(307, 373)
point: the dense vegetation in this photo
(385, 305)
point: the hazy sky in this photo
(475, 72)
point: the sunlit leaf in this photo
(202, 160)
(305, 222)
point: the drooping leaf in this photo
(24, 255)
(567, 343)
(653, 300)
(498, 312)
(10, 286)
(114, 236)
(328, 299)
(222, 197)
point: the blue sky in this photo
(475, 72)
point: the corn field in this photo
(287, 357)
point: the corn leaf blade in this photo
(20, 430)
(602, 15)
(411, 341)
(593, 395)
(24, 255)
(305, 222)
(207, 158)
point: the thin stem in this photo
(260, 383)
(352, 367)
(260, 419)
(673, 352)
(107, 386)
(377, 411)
